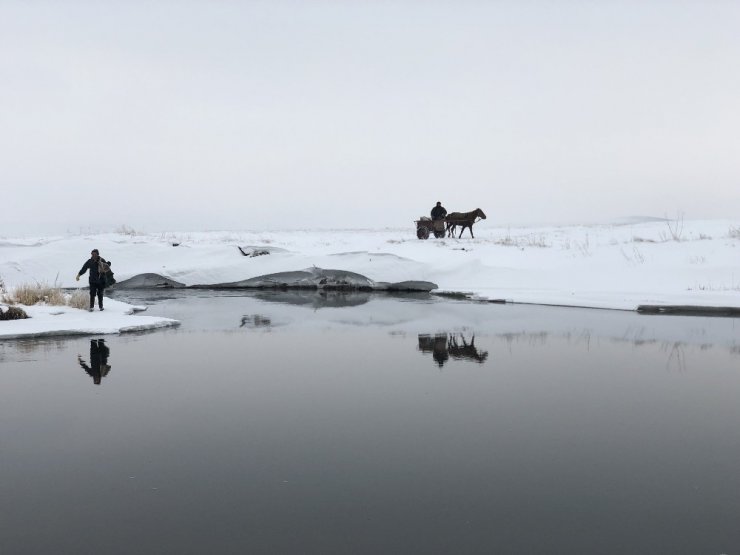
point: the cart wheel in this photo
(439, 234)
(422, 232)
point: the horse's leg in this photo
(471, 231)
(461, 231)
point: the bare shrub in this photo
(734, 232)
(537, 241)
(636, 258)
(584, 247)
(675, 227)
(79, 298)
(733, 286)
(13, 313)
(123, 229)
(506, 241)
(531, 240)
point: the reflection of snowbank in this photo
(427, 315)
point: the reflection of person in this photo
(99, 367)
(439, 352)
(437, 345)
(96, 280)
(438, 212)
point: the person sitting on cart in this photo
(439, 212)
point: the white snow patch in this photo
(47, 320)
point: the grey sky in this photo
(215, 115)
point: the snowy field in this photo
(616, 266)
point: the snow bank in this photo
(319, 278)
(603, 266)
(46, 320)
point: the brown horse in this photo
(464, 219)
(466, 350)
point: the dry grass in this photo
(4, 297)
(521, 241)
(30, 294)
(39, 292)
(79, 299)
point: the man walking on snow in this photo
(97, 266)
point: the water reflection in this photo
(311, 298)
(575, 435)
(455, 345)
(98, 367)
(315, 299)
(255, 321)
(27, 350)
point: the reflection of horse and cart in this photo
(448, 225)
(455, 345)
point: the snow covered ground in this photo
(617, 266)
(46, 320)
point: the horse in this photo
(466, 350)
(443, 346)
(464, 219)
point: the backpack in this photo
(105, 272)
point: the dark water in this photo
(362, 424)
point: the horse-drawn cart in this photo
(426, 227)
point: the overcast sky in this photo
(246, 115)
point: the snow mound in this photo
(148, 281)
(320, 278)
(631, 220)
(410, 285)
(312, 278)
